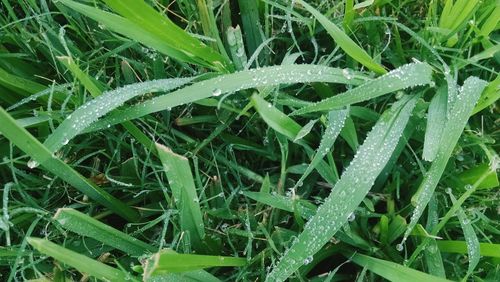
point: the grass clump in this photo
(249, 140)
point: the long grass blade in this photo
(230, 83)
(181, 182)
(436, 120)
(410, 75)
(393, 271)
(80, 262)
(42, 156)
(349, 191)
(344, 41)
(459, 114)
(85, 225)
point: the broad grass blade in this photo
(459, 114)
(85, 225)
(436, 120)
(393, 271)
(231, 83)
(460, 247)
(181, 182)
(410, 75)
(80, 262)
(349, 191)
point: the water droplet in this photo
(399, 247)
(216, 92)
(308, 260)
(351, 217)
(65, 141)
(32, 164)
(468, 187)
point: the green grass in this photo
(249, 140)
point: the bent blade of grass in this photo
(410, 75)
(344, 41)
(91, 111)
(275, 118)
(460, 247)
(393, 271)
(80, 262)
(489, 96)
(436, 120)
(181, 182)
(85, 225)
(336, 120)
(350, 190)
(473, 252)
(42, 156)
(230, 83)
(168, 261)
(143, 23)
(459, 114)
(281, 202)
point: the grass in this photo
(249, 140)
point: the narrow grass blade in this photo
(91, 111)
(282, 203)
(473, 252)
(336, 120)
(349, 191)
(305, 130)
(490, 95)
(42, 156)
(181, 182)
(85, 225)
(80, 262)
(410, 75)
(432, 255)
(230, 83)
(168, 261)
(393, 271)
(459, 114)
(275, 118)
(460, 247)
(143, 23)
(344, 41)
(436, 120)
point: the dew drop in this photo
(399, 247)
(216, 92)
(32, 164)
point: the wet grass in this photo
(249, 140)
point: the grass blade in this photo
(282, 203)
(344, 41)
(473, 252)
(409, 75)
(85, 225)
(436, 120)
(181, 182)
(393, 271)
(143, 23)
(42, 156)
(230, 83)
(336, 120)
(349, 191)
(168, 261)
(460, 247)
(80, 262)
(459, 114)
(91, 111)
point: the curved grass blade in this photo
(42, 156)
(344, 41)
(230, 83)
(393, 271)
(410, 75)
(473, 252)
(282, 202)
(143, 23)
(459, 114)
(80, 262)
(181, 182)
(85, 225)
(336, 120)
(489, 96)
(275, 118)
(88, 113)
(436, 120)
(350, 190)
